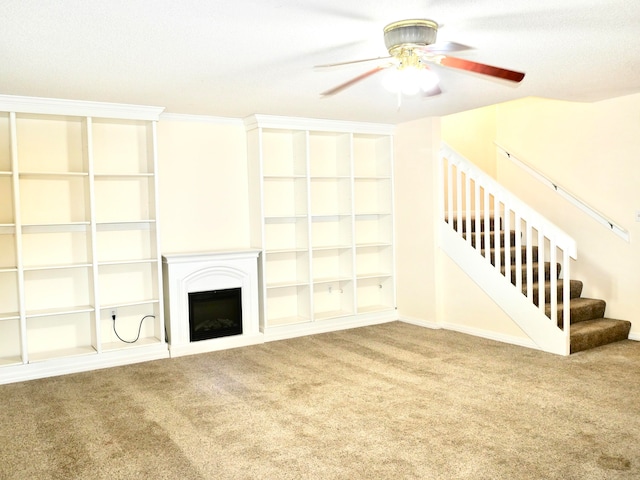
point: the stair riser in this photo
(590, 310)
(575, 290)
(535, 273)
(492, 240)
(463, 224)
(513, 253)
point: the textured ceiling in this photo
(242, 57)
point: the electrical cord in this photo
(113, 317)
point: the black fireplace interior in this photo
(214, 314)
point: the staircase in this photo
(589, 328)
(520, 259)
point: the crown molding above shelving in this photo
(56, 106)
(318, 125)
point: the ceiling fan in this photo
(411, 45)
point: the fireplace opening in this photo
(214, 314)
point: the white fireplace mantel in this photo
(184, 273)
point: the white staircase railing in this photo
(477, 212)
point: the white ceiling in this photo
(240, 57)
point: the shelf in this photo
(52, 175)
(122, 147)
(286, 284)
(285, 251)
(285, 218)
(374, 308)
(65, 352)
(331, 314)
(331, 247)
(324, 280)
(127, 283)
(363, 276)
(34, 268)
(7, 229)
(151, 301)
(50, 143)
(28, 228)
(285, 197)
(372, 245)
(330, 196)
(8, 361)
(121, 176)
(59, 199)
(284, 152)
(128, 262)
(142, 342)
(53, 312)
(9, 316)
(287, 304)
(282, 321)
(286, 268)
(117, 200)
(284, 177)
(375, 293)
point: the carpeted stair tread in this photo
(575, 290)
(582, 309)
(534, 271)
(597, 332)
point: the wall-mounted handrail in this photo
(581, 204)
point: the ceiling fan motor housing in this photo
(403, 34)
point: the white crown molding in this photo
(316, 124)
(181, 117)
(57, 106)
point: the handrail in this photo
(581, 204)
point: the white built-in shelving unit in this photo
(322, 214)
(78, 236)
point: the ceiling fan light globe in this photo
(391, 81)
(409, 80)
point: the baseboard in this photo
(420, 322)
(325, 326)
(634, 336)
(476, 332)
(489, 335)
(82, 363)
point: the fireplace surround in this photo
(201, 275)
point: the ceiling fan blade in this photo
(329, 65)
(357, 79)
(462, 64)
(445, 47)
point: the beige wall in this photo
(203, 185)
(473, 134)
(416, 144)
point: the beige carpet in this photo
(393, 401)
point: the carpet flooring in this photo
(392, 401)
